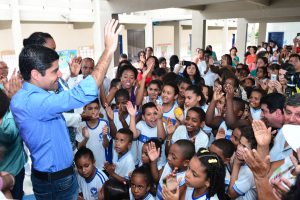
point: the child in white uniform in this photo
(169, 94)
(153, 90)
(255, 106)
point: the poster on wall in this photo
(164, 50)
(65, 56)
(189, 52)
(86, 52)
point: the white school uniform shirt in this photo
(228, 132)
(180, 71)
(227, 179)
(90, 189)
(201, 140)
(148, 197)
(158, 100)
(278, 152)
(124, 165)
(170, 114)
(148, 133)
(255, 113)
(134, 145)
(95, 142)
(168, 170)
(209, 77)
(245, 184)
(189, 195)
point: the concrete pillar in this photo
(102, 16)
(224, 37)
(241, 36)
(253, 34)
(16, 30)
(149, 32)
(198, 31)
(177, 33)
(262, 32)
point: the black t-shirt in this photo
(246, 54)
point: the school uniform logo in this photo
(94, 192)
(101, 137)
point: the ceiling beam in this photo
(259, 2)
(194, 7)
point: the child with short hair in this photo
(115, 83)
(182, 85)
(204, 178)
(123, 163)
(249, 82)
(141, 182)
(192, 130)
(113, 189)
(94, 134)
(89, 177)
(225, 149)
(169, 95)
(242, 184)
(153, 91)
(255, 106)
(151, 127)
(159, 73)
(246, 111)
(179, 158)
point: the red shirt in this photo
(251, 59)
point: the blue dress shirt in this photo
(42, 126)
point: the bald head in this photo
(87, 67)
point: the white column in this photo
(102, 16)
(16, 30)
(253, 34)
(149, 32)
(224, 37)
(262, 31)
(241, 35)
(198, 31)
(177, 33)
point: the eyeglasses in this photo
(292, 61)
(4, 68)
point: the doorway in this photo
(276, 37)
(136, 43)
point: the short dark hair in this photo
(273, 101)
(174, 86)
(200, 112)
(161, 59)
(4, 104)
(147, 105)
(115, 189)
(145, 172)
(265, 71)
(226, 146)
(207, 51)
(240, 103)
(187, 147)
(155, 82)
(120, 65)
(287, 66)
(261, 91)
(295, 56)
(122, 93)
(123, 55)
(248, 133)
(36, 57)
(169, 77)
(95, 101)
(129, 67)
(252, 80)
(160, 71)
(274, 66)
(232, 49)
(115, 82)
(149, 48)
(84, 152)
(38, 38)
(127, 132)
(293, 101)
(185, 80)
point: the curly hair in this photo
(215, 171)
(248, 133)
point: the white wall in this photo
(184, 39)
(163, 35)
(290, 30)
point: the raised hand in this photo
(211, 60)
(14, 85)
(160, 112)
(262, 133)
(85, 132)
(220, 134)
(152, 152)
(88, 117)
(263, 85)
(111, 35)
(295, 163)
(278, 87)
(193, 139)
(171, 180)
(131, 110)
(150, 67)
(109, 168)
(109, 111)
(218, 94)
(75, 65)
(170, 127)
(168, 195)
(105, 130)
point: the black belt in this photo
(53, 175)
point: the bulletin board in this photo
(65, 56)
(86, 51)
(164, 50)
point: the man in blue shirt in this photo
(39, 114)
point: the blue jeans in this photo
(17, 191)
(64, 189)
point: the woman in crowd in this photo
(199, 57)
(141, 60)
(234, 57)
(214, 55)
(251, 58)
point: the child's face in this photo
(248, 83)
(260, 63)
(145, 158)
(122, 143)
(175, 158)
(260, 73)
(216, 85)
(217, 150)
(121, 103)
(237, 112)
(92, 109)
(182, 88)
(195, 176)
(192, 121)
(270, 72)
(246, 112)
(229, 81)
(168, 94)
(150, 116)
(153, 91)
(163, 64)
(191, 70)
(243, 73)
(221, 104)
(101, 193)
(127, 79)
(85, 166)
(191, 99)
(254, 100)
(205, 92)
(158, 77)
(235, 137)
(139, 187)
(119, 85)
(243, 144)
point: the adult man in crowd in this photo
(3, 72)
(273, 45)
(39, 115)
(123, 56)
(295, 61)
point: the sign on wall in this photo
(86, 52)
(164, 50)
(65, 56)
